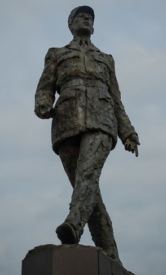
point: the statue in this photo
(87, 119)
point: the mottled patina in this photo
(88, 117)
(89, 93)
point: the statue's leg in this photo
(101, 229)
(69, 152)
(93, 151)
(99, 223)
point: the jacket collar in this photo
(75, 45)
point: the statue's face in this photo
(82, 24)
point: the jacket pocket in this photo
(105, 95)
(102, 61)
(66, 57)
(66, 94)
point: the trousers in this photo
(83, 158)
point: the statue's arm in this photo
(46, 88)
(126, 130)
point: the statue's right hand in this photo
(44, 111)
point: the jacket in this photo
(89, 95)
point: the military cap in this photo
(78, 10)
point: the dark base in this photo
(69, 260)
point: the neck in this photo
(82, 37)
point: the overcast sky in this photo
(34, 190)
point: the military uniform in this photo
(88, 111)
(89, 93)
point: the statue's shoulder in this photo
(105, 55)
(52, 52)
(108, 58)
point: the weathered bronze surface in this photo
(87, 119)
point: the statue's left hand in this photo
(131, 144)
(44, 111)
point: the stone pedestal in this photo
(68, 260)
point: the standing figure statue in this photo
(87, 119)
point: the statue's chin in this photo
(84, 31)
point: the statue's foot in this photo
(67, 234)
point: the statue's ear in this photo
(70, 28)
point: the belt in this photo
(84, 82)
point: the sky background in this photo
(34, 190)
